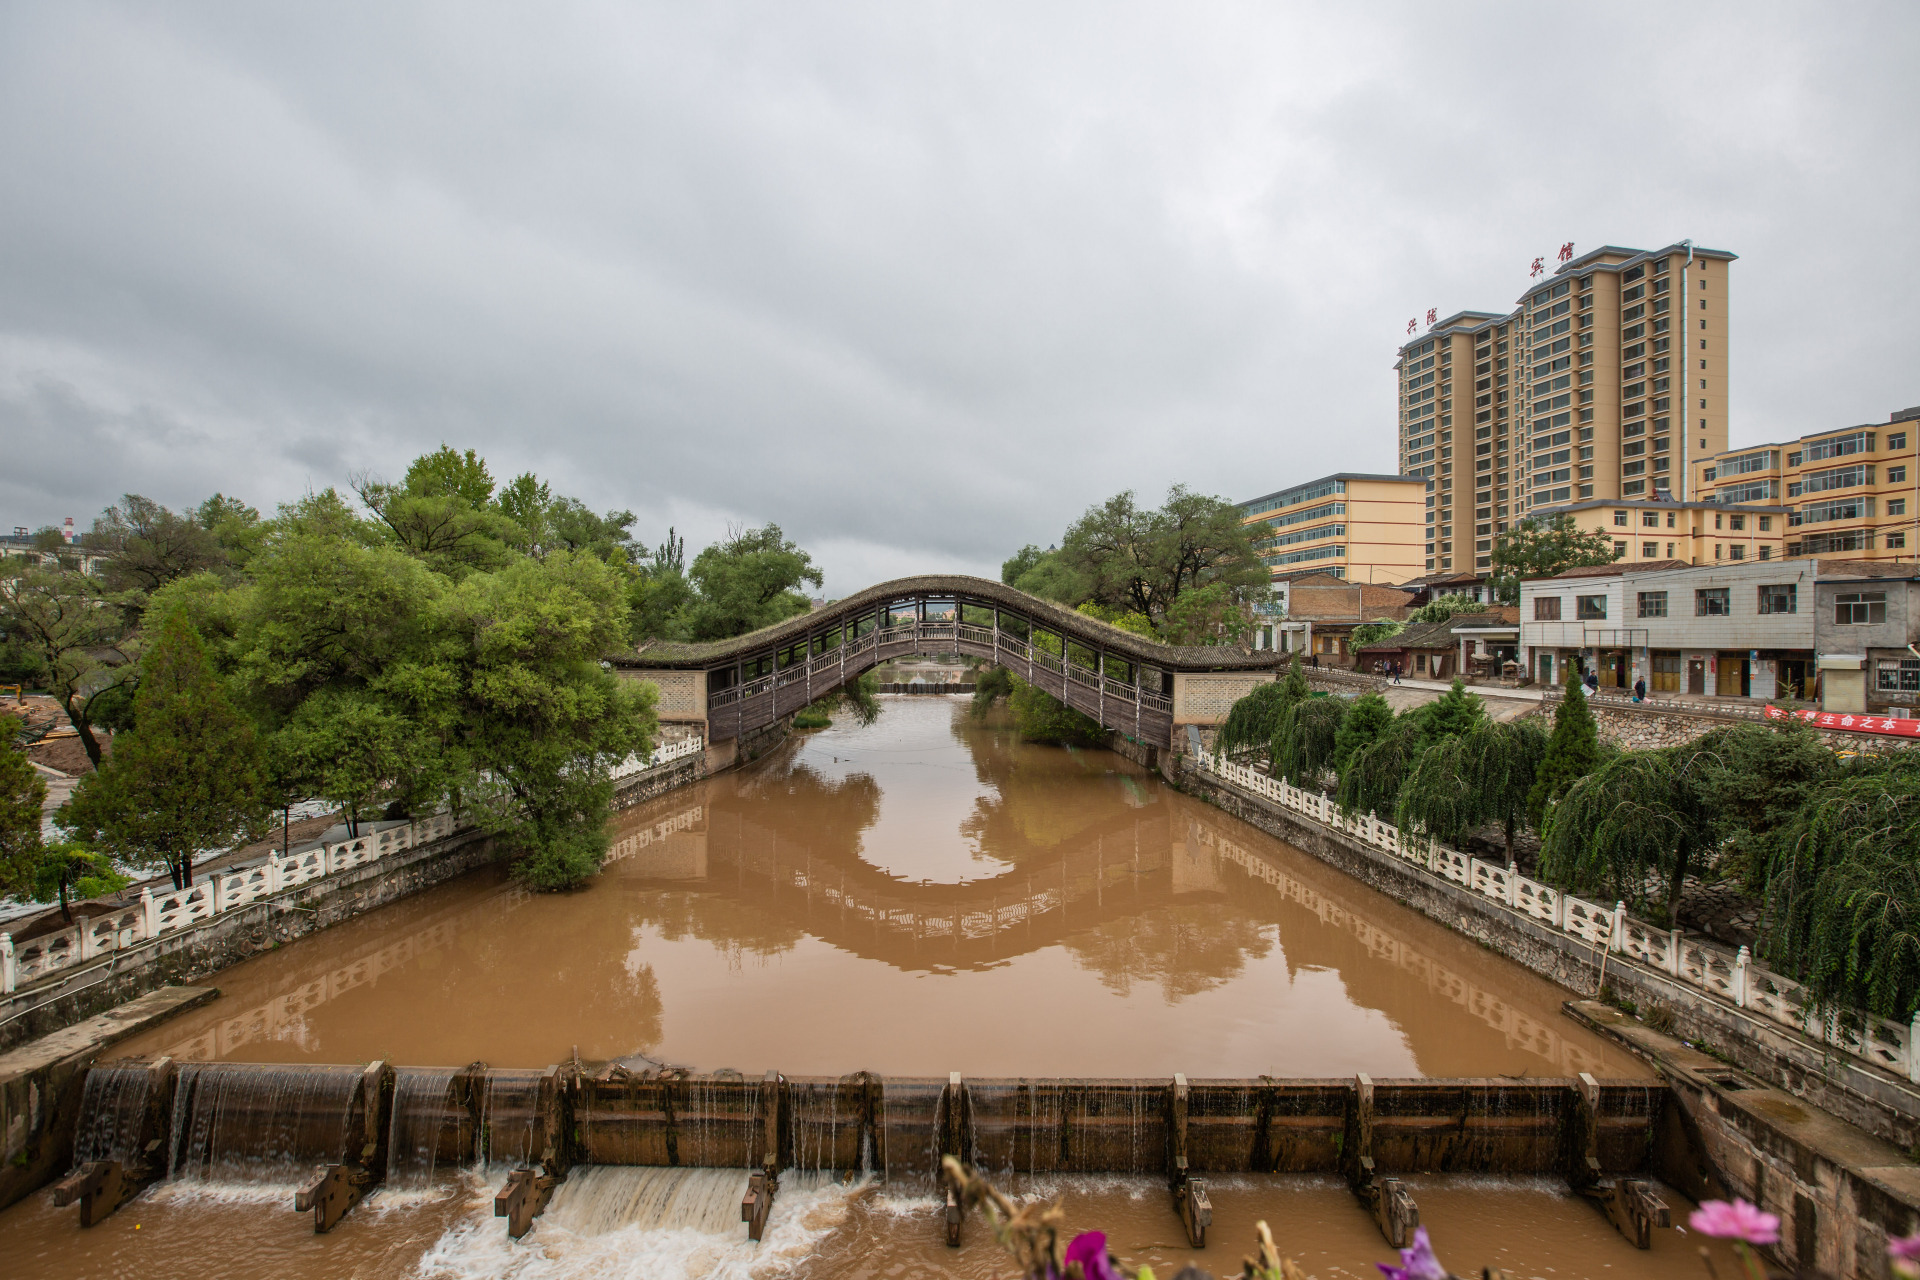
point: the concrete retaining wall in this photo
(40, 1086)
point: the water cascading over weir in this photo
(329, 1135)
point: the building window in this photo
(1651, 519)
(1766, 523)
(1546, 608)
(1779, 599)
(1649, 550)
(1896, 506)
(1619, 551)
(1590, 607)
(1738, 552)
(1712, 602)
(1898, 440)
(1898, 675)
(1653, 604)
(1897, 540)
(1766, 553)
(1860, 608)
(1669, 551)
(1620, 518)
(1896, 475)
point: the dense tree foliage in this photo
(1843, 889)
(1541, 546)
(751, 580)
(22, 793)
(1188, 566)
(1253, 720)
(1304, 741)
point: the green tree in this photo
(1255, 717)
(236, 528)
(1374, 774)
(65, 870)
(146, 546)
(749, 581)
(1365, 723)
(539, 714)
(1020, 563)
(1038, 716)
(22, 794)
(356, 749)
(443, 514)
(1757, 778)
(1638, 816)
(1844, 889)
(1303, 745)
(1141, 560)
(1051, 578)
(1474, 779)
(185, 780)
(1454, 712)
(1541, 546)
(989, 687)
(1211, 615)
(67, 621)
(1573, 751)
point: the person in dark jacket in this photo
(1640, 690)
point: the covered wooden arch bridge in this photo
(1128, 683)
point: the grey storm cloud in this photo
(918, 282)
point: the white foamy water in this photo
(626, 1223)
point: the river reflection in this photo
(919, 896)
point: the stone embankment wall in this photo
(1877, 1101)
(198, 952)
(188, 955)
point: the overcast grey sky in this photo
(920, 282)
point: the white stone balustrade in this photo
(1726, 975)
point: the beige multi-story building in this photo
(1603, 384)
(1364, 528)
(1851, 493)
(1661, 530)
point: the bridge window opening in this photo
(862, 626)
(976, 615)
(1083, 657)
(1014, 624)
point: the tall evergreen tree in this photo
(1573, 751)
(1454, 712)
(1365, 722)
(185, 779)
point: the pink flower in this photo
(1089, 1249)
(1417, 1263)
(1736, 1221)
(1906, 1248)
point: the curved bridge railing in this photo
(1123, 681)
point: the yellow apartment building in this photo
(1364, 528)
(1852, 493)
(1662, 531)
(1605, 383)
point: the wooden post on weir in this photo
(1386, 1200)
(1189, 1194)
(1630, 1204)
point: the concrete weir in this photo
(332, 1134)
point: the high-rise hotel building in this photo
(1605, 383)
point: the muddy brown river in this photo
(921, 896)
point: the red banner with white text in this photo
(1897, 728)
